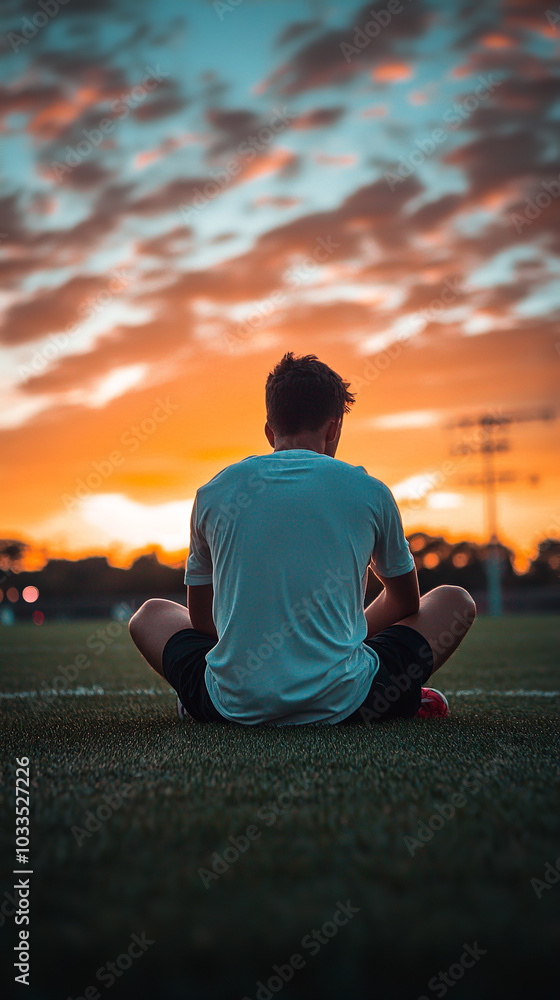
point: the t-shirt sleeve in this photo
(199, 562)
(391, 555)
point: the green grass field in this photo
(335, 813)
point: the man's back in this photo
(280, 546)
(286, 539)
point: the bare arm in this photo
(400, 597)
(199, 603)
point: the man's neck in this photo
(305, 444)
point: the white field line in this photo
(83, 692)
(41, 647)
(97, 691)
(511, 693)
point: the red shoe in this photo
(182, 712)
(434, 703)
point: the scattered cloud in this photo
(454, 251)
(406, 419)
(392, 72)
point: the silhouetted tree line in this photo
(464, 564)
(437, 561)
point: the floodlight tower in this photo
(492, 439)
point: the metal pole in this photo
(494, 559)
(491, 422)
(490, 484)
(494, 579)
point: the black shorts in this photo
(405, 663)
(184, 665)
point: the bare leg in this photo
(445, 616)
(153, 624)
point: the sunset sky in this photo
(191, 189)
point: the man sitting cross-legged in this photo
(281, 547)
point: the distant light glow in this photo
(12, 594)
(38, 617)
(431, 560)
(30, 594)
(460, 559)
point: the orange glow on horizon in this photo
(242, 205)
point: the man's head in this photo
(305, 403)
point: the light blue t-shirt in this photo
(286, 540)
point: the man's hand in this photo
(400, 597)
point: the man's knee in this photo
(460, 603)
(144, 615)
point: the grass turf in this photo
(338, 813)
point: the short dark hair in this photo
(303, 393)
